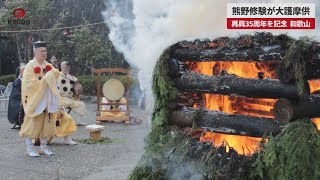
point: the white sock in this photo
(43, 141)
(29, 141)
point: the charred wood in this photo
(287, 75)
(225, 123)
(286, 110)
(188, 99)
(248, 54)
(233, 85)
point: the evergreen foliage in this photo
(293, 154)
(103, 140)
(295, 60)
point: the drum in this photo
(113, 90)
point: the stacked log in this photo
(260, 48)
(287, 110)
(233, 85)
(250, 54)
(225, 123)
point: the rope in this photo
(36, 30)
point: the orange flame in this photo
(314, 85)
(242, 144)
(241, 69)
(316, 121)
(237, 105)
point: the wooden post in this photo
(95, 131)
(95, 135)
(98, 91)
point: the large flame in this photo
(242, 69)
(242, 144)
(238, 105)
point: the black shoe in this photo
(14, 126)
(37, 142)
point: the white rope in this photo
(36, 30)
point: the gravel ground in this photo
(82, 161)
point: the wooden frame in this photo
(100, 119)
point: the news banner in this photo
(271, 16)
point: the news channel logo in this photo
(18, 17)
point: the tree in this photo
(57, 42)
(73, 47)
(36, 13)
(90, 49)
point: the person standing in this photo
(40, 99)
(15, 110)
(54, 62)
(18, 68)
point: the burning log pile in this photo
(234, 91)
(201, 67)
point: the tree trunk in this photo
(225, 123)
(286, 110)
(233, 85)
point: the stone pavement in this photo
(83, 161)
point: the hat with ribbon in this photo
(39, 44)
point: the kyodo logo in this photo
(18, 14)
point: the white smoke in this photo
(142, 29)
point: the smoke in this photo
(142, 29)
(184, 171)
